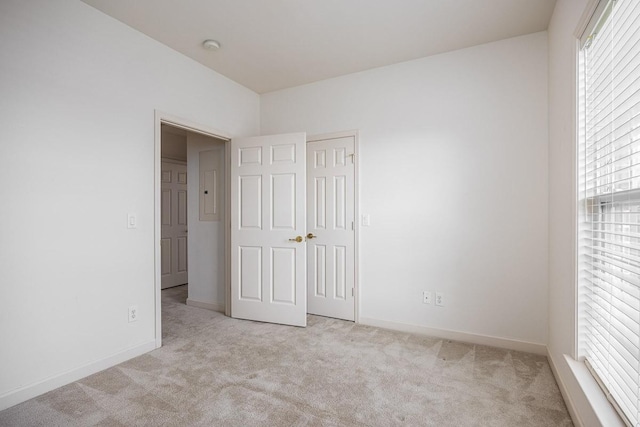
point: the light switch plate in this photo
(132, 221)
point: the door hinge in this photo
(352, 226)
(352, 292)
(353, 156)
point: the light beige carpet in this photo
(217, 371)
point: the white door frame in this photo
(356, 201)
(168, 119)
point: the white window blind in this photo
(609, 192)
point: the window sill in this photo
(606, 414)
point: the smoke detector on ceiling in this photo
(211, 45)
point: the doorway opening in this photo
(190, 200)
(173, 207)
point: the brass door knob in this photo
(311, 236)
(297, 239)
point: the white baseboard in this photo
(215, 306)
(509, 344)
(30, 391)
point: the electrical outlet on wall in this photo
(426, 297)
(133, 313)
(440, 299)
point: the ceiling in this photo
(276, 44)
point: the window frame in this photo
(585, 206)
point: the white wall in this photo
(583, 396)
(453, 171)
(206, 238)
(79, 91)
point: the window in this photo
(609, 202)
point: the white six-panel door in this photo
(173, 217)
(330, 219)
(268, 265)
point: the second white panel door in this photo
(268, 252)
(330, 220)
(173, 242)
